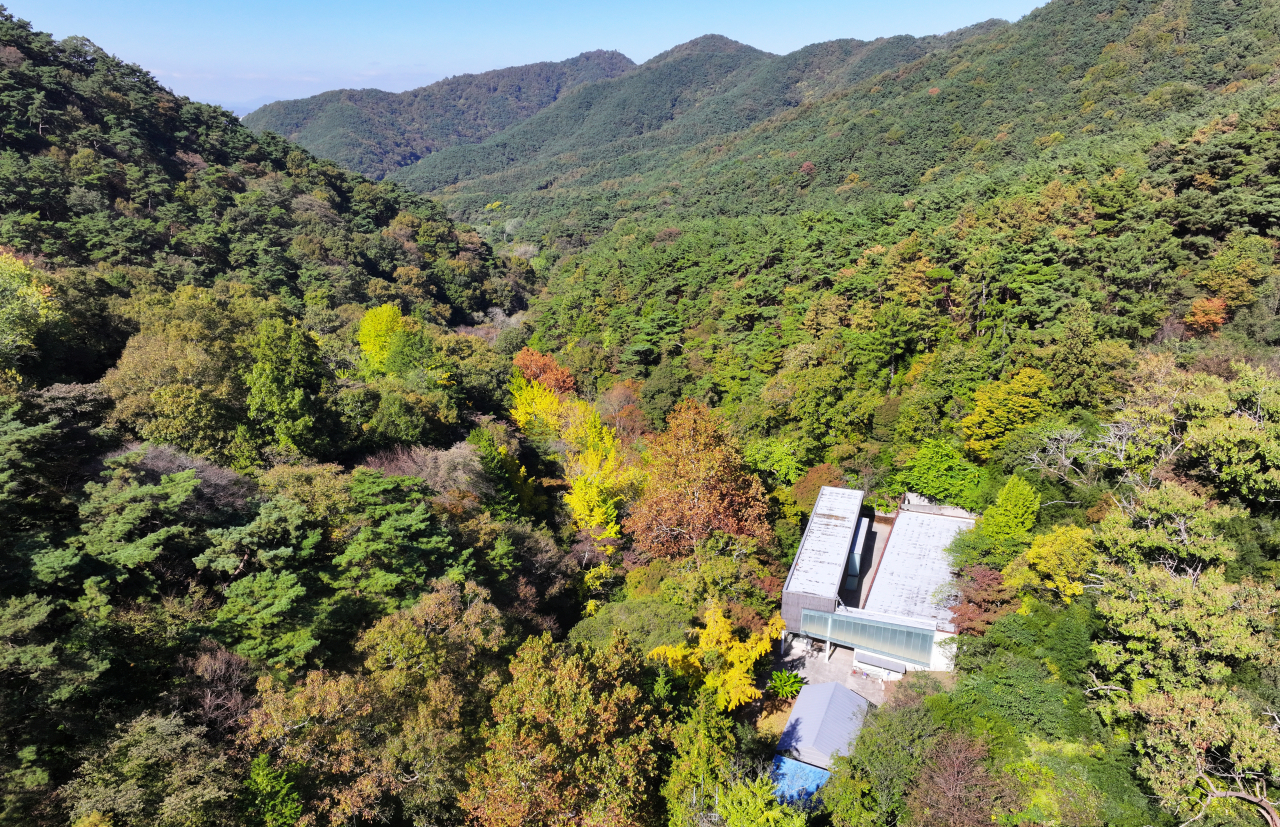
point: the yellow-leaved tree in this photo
(599, 477)
(1243, 262)
(378, 328)
(721, 659)
(1001, 408)
(1058, 561)
(535, 406)
(25, 307)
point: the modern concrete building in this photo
(832, 556)
(886, 606)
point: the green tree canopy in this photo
(574, 739)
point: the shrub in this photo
(786, 685)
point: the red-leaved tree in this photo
(697, 484)
(620, 408)
(808, 487)
(984, 599)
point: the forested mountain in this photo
(319, 506)
(1067, 72)
(374, 132)
(709, 86)
(167, 276)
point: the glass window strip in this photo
(901, 642)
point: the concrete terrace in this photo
(812, 664)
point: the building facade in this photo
(882, 597)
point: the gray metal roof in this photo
(878, 660)
(860, 542)
(914, 567)
(819, 565)
(824, 723)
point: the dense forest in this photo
(374, 132)
(847, 124)
(645, 120)
(325, 501)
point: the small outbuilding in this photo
(824, 723)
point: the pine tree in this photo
(286, 386)
(19, 448)
(273, 802)
(704, 745)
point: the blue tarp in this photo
(795, 782)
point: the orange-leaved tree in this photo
(539, 367)
(697, 484)
(1207, 315)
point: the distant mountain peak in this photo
(605, 54)
(374, 132)
(704, 45)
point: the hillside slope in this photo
(597, 116)
(709, 86)
(373, 132)
(305, 520)
(846, 313)
(1068, 71)
(117, 185)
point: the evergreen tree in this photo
(700, 771)
(286, 389)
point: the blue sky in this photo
(243, 53)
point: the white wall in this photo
(943, 659)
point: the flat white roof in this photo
(914, 567)
(824, 549)
(898, 619)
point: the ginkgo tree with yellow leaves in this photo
(599, 476)
(378, 328)
(720, 659)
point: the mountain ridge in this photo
(538, 151)
(996, 94)
(381, 133)
(371, 131)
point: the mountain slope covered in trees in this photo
(1007, 94)
(321, 507)
(374, 132)
(709, 86)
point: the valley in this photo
(541, 446)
